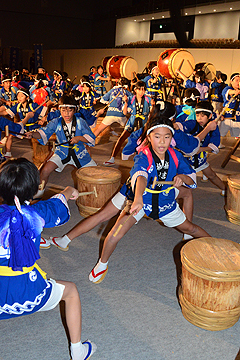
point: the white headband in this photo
(158, 126)
(199, 110)
(6, 80)
(154, 68)
(22, 91)
(86, 82)
(56, 72)
(192, 97)
(67, 105)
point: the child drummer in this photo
(72, 134)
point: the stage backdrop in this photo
(76, 62)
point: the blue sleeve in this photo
(190, 84)
(188, 125)
(130, 148)
(53, 211)
(11, 125)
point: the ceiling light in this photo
(199, 12)
(230, 8)
(214, 10)
(163, 16)
(152, 17)
(185, 13)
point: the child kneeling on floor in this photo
(24, 286)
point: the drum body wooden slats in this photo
(122, 66)
(106, 181)
(208, 68)
(175, 59)
(210, 291)
(41, 152)
(233, 199)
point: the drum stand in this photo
(230, 154)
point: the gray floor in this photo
(134, 313)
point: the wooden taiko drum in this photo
(122, 66)
(208, 68)
(106, 181)
(233, 199)
(104, 136)
(41, 152)
(171, 60)
(104, 61)
(210, 291)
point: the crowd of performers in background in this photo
(170, 128)
(34, 99)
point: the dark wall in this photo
(61, 24)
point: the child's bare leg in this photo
(100, 128)
(73, 313)
(88, 224)
(99, 271)
(8, 144)
(186, 194)
(47, 169)
(214, 178)
(73, 310)
(194, 230)
(111, 241)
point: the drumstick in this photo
(161, 182)
(191, 65)
(179, 69)
(121, 225)
(7, 131)
(46, 100)
(225, 108)
(111, 101)
(89, 192)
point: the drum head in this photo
(212, 257)
(129, 68)
(210, 71)
(183, 61)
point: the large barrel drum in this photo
(106, 181)
(233, 199)
(122, 66)
(104, 62)
(210, 291)
(208, 68)
(171, 60)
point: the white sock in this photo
(187, 237)
(97, 269)
(8, 153)
(78, 351)
(100, 266)
(63, 241)
(111, 160)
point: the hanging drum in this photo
(208, 68)
(171, 60)
(122, 66)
